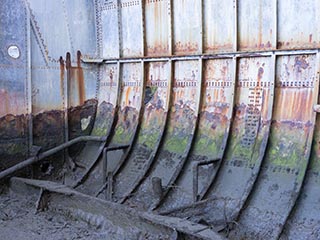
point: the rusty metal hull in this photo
(206, 109)
(156, 102)
(211, 136)
(178, 137)
(288, 152)
(303, 222)
(131, 83)
(103, 122)
(14, 88)
(247, 143)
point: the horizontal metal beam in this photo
(237, 54)
(48, 153)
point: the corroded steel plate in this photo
(257, 24)
(304, 222)
(131, 28)
(187, 26)
(249, 135)
(108, 20)
(107, 102)
(288, 150)
(130, 103)
(179, 134)
(156, 101)
(246, 146)
(157, 13)
(298, 32)
(14, 78)
(211, 136)
(131, 84)
(218, 37)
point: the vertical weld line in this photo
(274, 78)
(275, 31)
(236, 27)
(201, 43)
(28, 78)
(143, 30)
(99, 29)
(67, 24)
(119, 29)
(171, 38)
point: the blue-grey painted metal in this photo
(14, 82)
(71, 63)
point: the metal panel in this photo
(178, 136)
(107, 100)
(124, 131)
(298, 24)
(105, 116)
(14, 67)
(211, 136)
(288, 151)
(187, 23)
(80, 17)
(130, 103)
(108, 21)
(131, 28)
(49, 27)
(219, 21)
(52, 76)
(247, 143)
(304, 221)
(256, 24)
(157, 23)
(156, 103)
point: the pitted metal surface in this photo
(207, 108)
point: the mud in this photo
(13, 140)
(19, 220)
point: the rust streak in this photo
(62, 67)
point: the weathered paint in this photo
(123, 132)
(288, 150)
(156, 102)
(56, 63)
(81, 110)
(107, 20)
(124, 29)
(187, 26)
(304, 222)
(179, 133)
(107, 100)
(157, 20)
(246, 146)
(130, 103)
(14, 112)
(256, 25)
(219, 25)
(297, 25)
(212, 133)
(103, 122)
(131, 28)
(249, 135)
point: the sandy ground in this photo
(19, 220)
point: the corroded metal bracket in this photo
(195, 168)
(48, 153)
